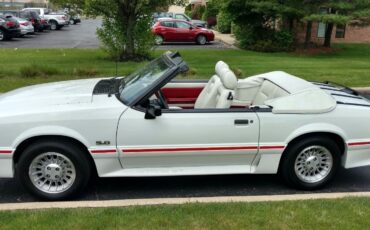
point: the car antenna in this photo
(117, 65)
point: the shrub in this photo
(31, 71)
(188, 10)
(198, 11)
(264, 40)
(210, 13)
(223, 22)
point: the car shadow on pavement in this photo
(353, 180)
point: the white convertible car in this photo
(54, 136)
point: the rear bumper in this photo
(25, 31)
(12, 33)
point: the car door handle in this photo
(241, 122)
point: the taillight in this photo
(64, 18)
(24, 23)
(9, 24)
(33, 21)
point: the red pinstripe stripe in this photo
(201, 149)
(6, 151)
(272, 147)
(104, 151)
(359, 143)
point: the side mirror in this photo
(191, 28)
(153, 111)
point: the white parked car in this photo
(56, 21)
(25, 26)
(54, 136)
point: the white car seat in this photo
(220, 90)
(207, 98)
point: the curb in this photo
(175, 201)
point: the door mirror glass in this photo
(153, 111)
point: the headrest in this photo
(228, 79)
(220, 65)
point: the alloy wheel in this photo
(52, 172)
(2, 36)
(313, 164)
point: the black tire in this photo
(2, 36)
(76, 155)
(53, 25)
(201, 40)
(159, 39)
(287, 167)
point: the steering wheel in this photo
(162, 99)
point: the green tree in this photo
(126, 29)
(261, 24)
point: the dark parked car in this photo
(38, 23)
(179, 16)
(9, 27)
(172, 30)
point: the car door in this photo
(184, 32)
(188, 138)
(167, 30)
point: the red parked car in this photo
(172, 30)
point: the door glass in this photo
(180, 16)
(183, 25)
(167, 24)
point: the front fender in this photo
(50, 131)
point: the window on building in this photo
(322, 26)
(321, 30)
(340, 31)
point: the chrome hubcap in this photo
(313, 164)
(52, 172)
(1, 35)
(202, 40)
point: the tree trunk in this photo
(328, 32)
(130, 37)
(307, 39)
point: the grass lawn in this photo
(347, 213)
(20, 67)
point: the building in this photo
(341, 34)
(21, 3)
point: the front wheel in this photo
(311, 163)
(53, 170)
(201, 40)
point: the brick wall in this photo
(352, 34)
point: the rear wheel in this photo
(201, 40)
(311, 163)
(53, 25)
(53, 170)
(2, 36)
(159, 39)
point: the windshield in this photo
(143, 79)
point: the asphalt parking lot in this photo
(353, 180)
(83, 36)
